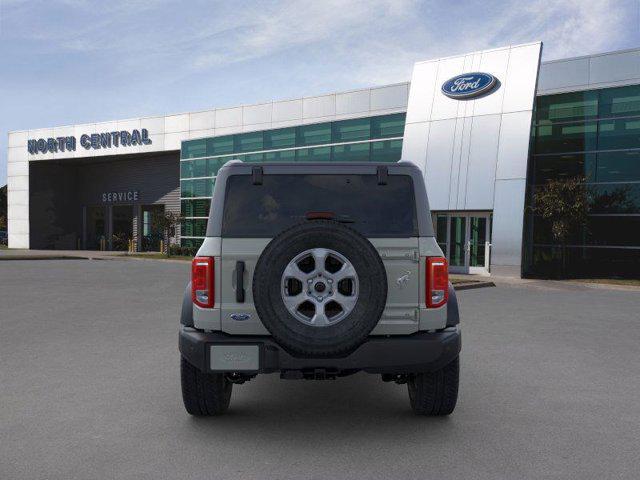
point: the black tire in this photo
(204, 394)
(351, 331)
(435, 393)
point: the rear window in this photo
(284, 200)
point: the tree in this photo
(565, 204)
(166, 223)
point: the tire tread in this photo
(435, 393)
(204, 394)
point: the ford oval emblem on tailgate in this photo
(240, 316)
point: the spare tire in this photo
(320, 288)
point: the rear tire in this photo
(204, 394)
(435, 393)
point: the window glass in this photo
(186, 188)
(318, 154)
(193, 228)
(199, 168)
(616, 134)
(186, 169)
(355, 152)
(387, 151)
(191, 242)
(248, 142)
(215, 164)
(195, 208)
(620, 102)
(550, 167)
(283, 200)
(280, 156)
(618, 198)
(441, 232)
(253, 157)
(280, 138)
(618, 166)
(566, 107)
(586, 261)
(313, 134)
(574, 137)
(351, 130)
(219, 145)
(194, 148)
(202, 187)
(387, 126)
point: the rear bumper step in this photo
(419, 352)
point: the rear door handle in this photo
(240, 281)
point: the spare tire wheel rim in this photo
(319, 287)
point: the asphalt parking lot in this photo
(89, 389)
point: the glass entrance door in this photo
(95, 227)
(465, 238)
(457, 241)
(122, 227)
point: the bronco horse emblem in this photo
(404, 279)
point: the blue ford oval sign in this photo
(469, 85)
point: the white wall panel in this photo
(229, 117)
(352, 102)
(19, 226)
(614, 67)
(176, 123)
(522, 76)
(154, 125)
(173, 141)
(458, 189)
(393, 96)
(18, 240)
(17, 168)
(494, 62)
(19, 197)
(18, 183)
(287, 111)
(17, 154)
(210, 132)
(314, 107)
(131, 124)
(421, 93)
(18, 139)
(202, 120)
(256, 127)
(157, 143)
(445, 107)
(257, 114)
(508, 215)
(556, 75)
(414, 144)
(228, 130)
(514, 145)
(481, 164)
(438, 162)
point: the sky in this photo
(65, 62)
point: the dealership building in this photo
(489, 129)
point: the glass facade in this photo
(375, 139)
(593, 134)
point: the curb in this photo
(43, 257)
(473, 285)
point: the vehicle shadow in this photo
(339, 410)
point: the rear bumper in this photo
(420, 352)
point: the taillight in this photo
(437, 282)
(202, 284)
